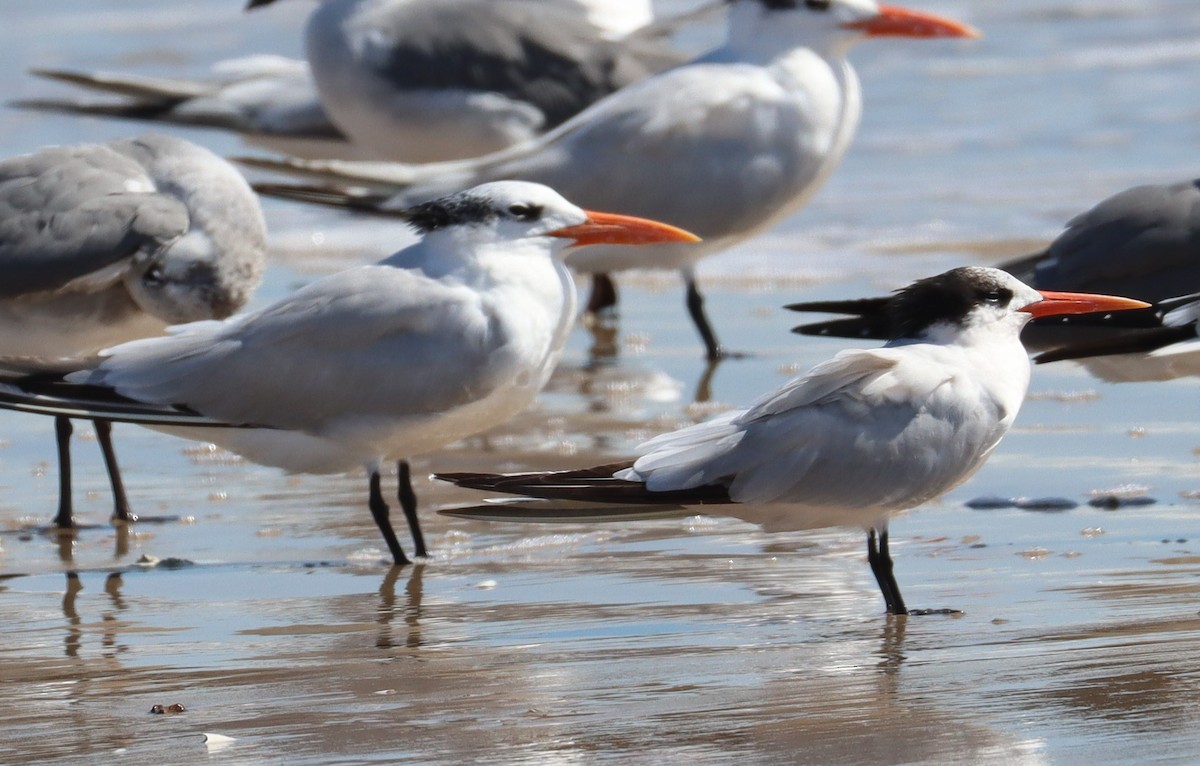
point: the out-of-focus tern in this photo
(444, 339)
(271, 101)
(405, 80)
(421, 81)
(1143, 242)
(725, 146)
(854, 441)
(104, 243)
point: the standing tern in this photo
(857, 439)
(1143, 242)
(725, 146)
(442, 340)
(104, 243)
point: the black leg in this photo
(695, 307)
(379, 512)
(880, 558)
(62, 434)
(603, 296)
(121, 511)
(408, 502)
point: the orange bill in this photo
(612, 229)
(1059, 304)
(901, 22)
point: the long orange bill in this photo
(1058, 304)
(612, 229)
(901, 22)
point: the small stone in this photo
(990, 503)
(1113, 502)
(1046, 504)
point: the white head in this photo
(508, 213)
(830, 26)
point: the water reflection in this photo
(109, 621)
(73, 639)
(411, 611)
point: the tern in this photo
(105, 243)
(725, 146)
(857, 439)
(421, 81)
(1143, 242)
(410, 80)
(444, 339)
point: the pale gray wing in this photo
(855, 432)
(69, 213)
(528, 51)
(366, 342)
(1143, 242)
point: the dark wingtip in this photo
(1135, 343)
(329, 196)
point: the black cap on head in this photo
(944, 299)
(457, 209)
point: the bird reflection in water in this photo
(109, 622)
(411, 610)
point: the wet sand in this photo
(274, 620)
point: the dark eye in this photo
(817, 5)
(999, 297)
(525, 212)
(153, 276)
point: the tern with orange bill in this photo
(854, 441)
(440, 341)
(725, 146)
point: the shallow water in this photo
(277, 624)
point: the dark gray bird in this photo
(105, 243)
(1143, 242)
(1158, 343)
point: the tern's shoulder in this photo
(870, 377)
(377, 296)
